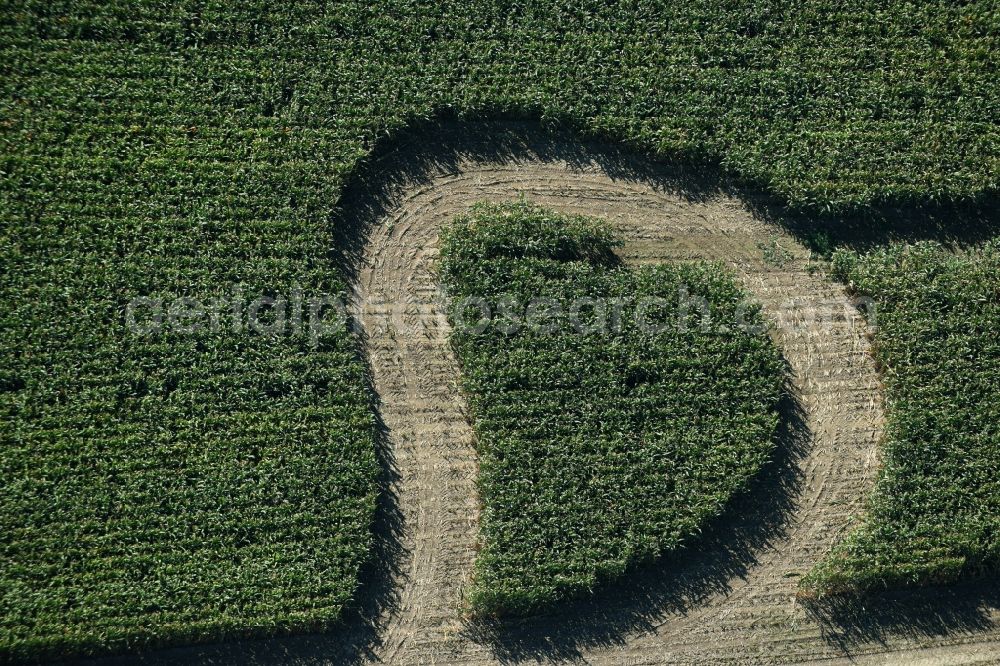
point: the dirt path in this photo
(752, 618)
(730, 597)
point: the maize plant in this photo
(934, 515)
(605, 438)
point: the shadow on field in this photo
(730, 547)
(957, 226)
(414, 157)
(951, 611)
(409, 157)
(679, 581)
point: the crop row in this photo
(934, 515)
(603, 447)
(178, 149)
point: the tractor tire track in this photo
(415, 374)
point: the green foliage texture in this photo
(602, 442)
(168, 489)
(934, 515)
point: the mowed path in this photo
(753, 618)
(728, 598)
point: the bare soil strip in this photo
(754, 617)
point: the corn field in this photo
(600, 446)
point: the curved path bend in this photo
(754, 616)
(730, 597)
